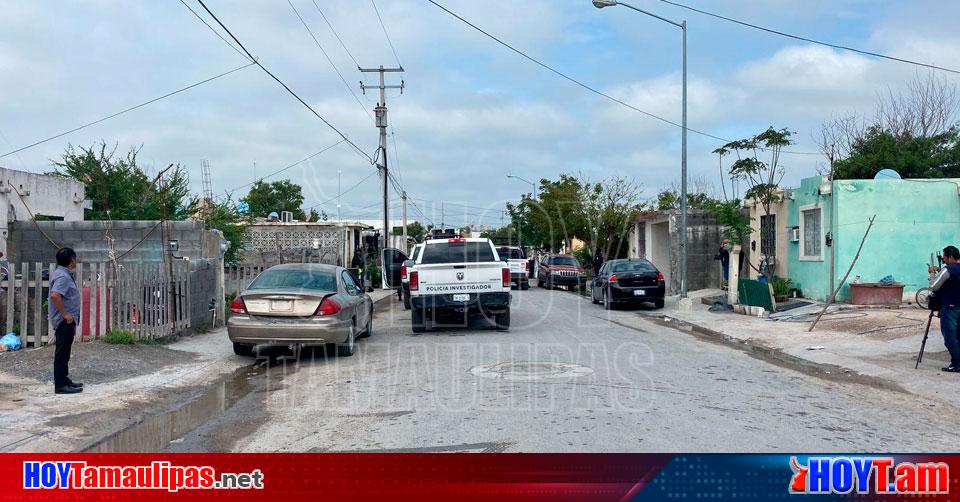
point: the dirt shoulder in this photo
(123, 384)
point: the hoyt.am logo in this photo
(876, 475)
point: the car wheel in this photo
(416, 321)
(525, 286)
(406, 301)
(503, 321)
(658, 304)
(242, 349)
(346, 348)
(607, 304)
(368, 330)
(593, 296)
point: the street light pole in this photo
(683, 142)
(532, 184)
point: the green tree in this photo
(557, 216)
(609, 208)
(936, 156)
(225, 217)
(120, 189)
(415, 230)
(278, 196)
(670, 199)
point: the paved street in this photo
(568, 376)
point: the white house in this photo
(25, 196)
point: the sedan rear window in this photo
(457, 252)
(295, 279)
(633, 266)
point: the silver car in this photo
(302, 304)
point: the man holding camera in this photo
(946, 286)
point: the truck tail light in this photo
(505, 273)
(457, 240)
(403, 271)
(613, 278)
(526, 266)
(414, 280)
(327, 307)
(659, 276)
(237, 306)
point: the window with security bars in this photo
(812, 234)
(768, 234)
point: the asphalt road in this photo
(568, 376)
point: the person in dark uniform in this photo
(946, 285)
(597, 261)
(64, 314)
(358, 267)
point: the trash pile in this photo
(9, 342)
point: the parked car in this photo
(459, 276)
(627, 281)
(302, 304)
(561, 270)
(519, 266)
(405, 274)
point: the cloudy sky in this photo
(472, 111)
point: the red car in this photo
(561, 270)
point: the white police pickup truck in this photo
(459, 277)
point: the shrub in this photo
(119, 337)
(782, 286)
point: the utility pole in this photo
(404, 197)
(339, 221)
(380, 111)
(443, 226)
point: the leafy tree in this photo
(557, 216)
(120, 189)
(415, 230)
(609, 208)
(278, 196)
(936, 156)
(670, 199)
(225, 217)
(758, 165)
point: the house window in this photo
(811, 230)
(768, 235)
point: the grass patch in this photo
(119, 337)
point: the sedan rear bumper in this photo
(256, 330)
(626, 294)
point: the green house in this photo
(826, 221)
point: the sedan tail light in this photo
(237, 306)
(414, 280)
(505, 273)
(660, 276)
(613, 278)
(403, 272)
(327, 307)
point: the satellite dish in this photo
(886, 174)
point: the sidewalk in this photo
(124, 385)
(856, 341)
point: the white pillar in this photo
(734, 277)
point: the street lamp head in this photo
(604, 3)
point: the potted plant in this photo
(781, 289)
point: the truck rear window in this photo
(457, 252)
(511, 254)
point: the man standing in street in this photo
(724, 256)
(946, 285)
(597, 261)
(358, 268)
(64, 312)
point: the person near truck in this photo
(358, 267)
(946, 286)
(64, 314)
(597, 260)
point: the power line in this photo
(335, 33)
(365, 178)
(345, 84)
(215, 32)
(301, 161)
(382, 26)
(810, 40)
(588, 87)
(121, 112)
(282, 84)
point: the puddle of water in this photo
(154, 432)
